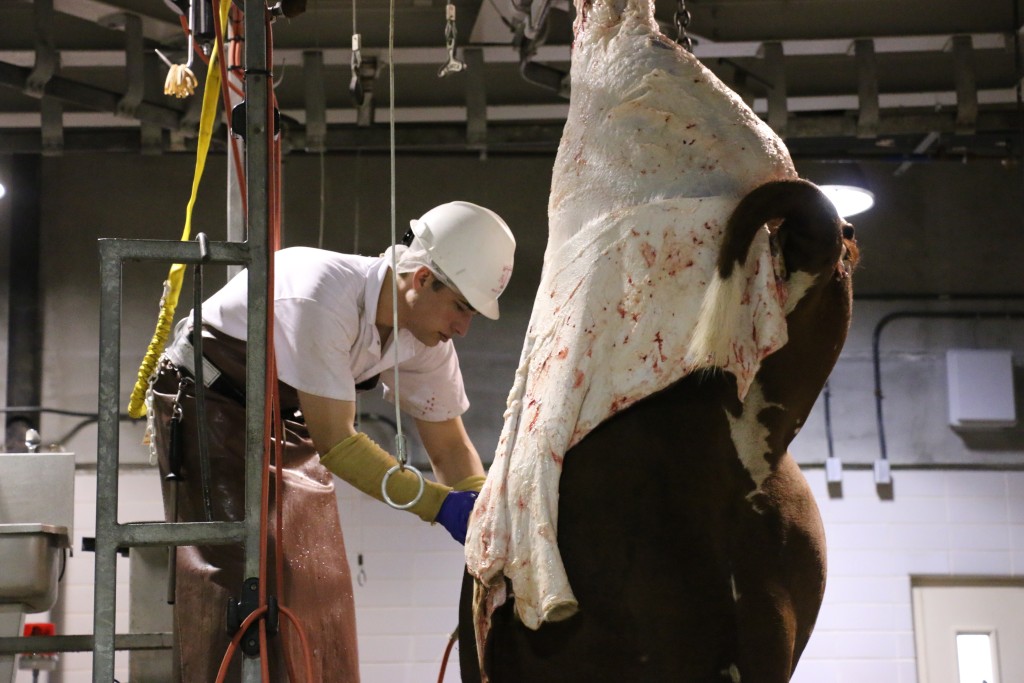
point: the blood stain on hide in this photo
(659, 341)
(649, 253)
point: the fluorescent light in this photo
(848, 199)
(3, 190)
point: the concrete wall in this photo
(949, 229)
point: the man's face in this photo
(438, 312)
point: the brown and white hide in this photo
(682, 251)
(655, 155)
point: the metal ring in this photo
(384, 487)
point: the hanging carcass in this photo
(642, 519)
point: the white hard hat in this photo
(473, 248)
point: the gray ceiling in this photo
(882, 79)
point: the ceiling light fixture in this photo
(849, 199)
(3, 190)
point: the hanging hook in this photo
(454, 65)
(191, 43)
(164, 58)
(401, 467)
(355, 86)
(361, 576)
(181, 81)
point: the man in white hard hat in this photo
(334, 335)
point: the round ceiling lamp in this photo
(3, 190)
(849, 200)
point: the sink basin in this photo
(33, 560)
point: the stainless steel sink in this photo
(37, 495)
(33, 558)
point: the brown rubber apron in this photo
(317, 581)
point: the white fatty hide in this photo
(655, 155)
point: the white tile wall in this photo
(939, 522)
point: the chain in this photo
(453, 65)
(681, 19)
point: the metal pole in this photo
(257, 81)
(104, 606)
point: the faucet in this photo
(32, 441)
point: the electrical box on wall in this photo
(980, 388)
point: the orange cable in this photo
(272, 419)
(447, 651)
(246, 623)
(274, 238)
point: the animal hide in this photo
(655, 155)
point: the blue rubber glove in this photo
(454, 513)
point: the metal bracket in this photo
(546, 76)
(778, 113)
(365, 111)
(966, 85)
(238, 611)
(316, 103)
(135, 67)
(476, 98)
(47, 59)
(51, 112)
(867, 89)
(151, 136)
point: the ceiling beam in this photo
(89, 97)
(499, 54)
(891, 104)
(163, 32)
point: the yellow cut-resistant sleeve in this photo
(473, 482)
(362, 463)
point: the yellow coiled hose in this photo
(172, 286)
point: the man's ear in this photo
(421, 278)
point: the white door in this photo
(969, 631)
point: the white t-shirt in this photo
(325, 339)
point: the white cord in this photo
(400, 435)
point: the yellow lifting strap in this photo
(172, 286)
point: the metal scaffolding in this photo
(252, 253)
(110, 535)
